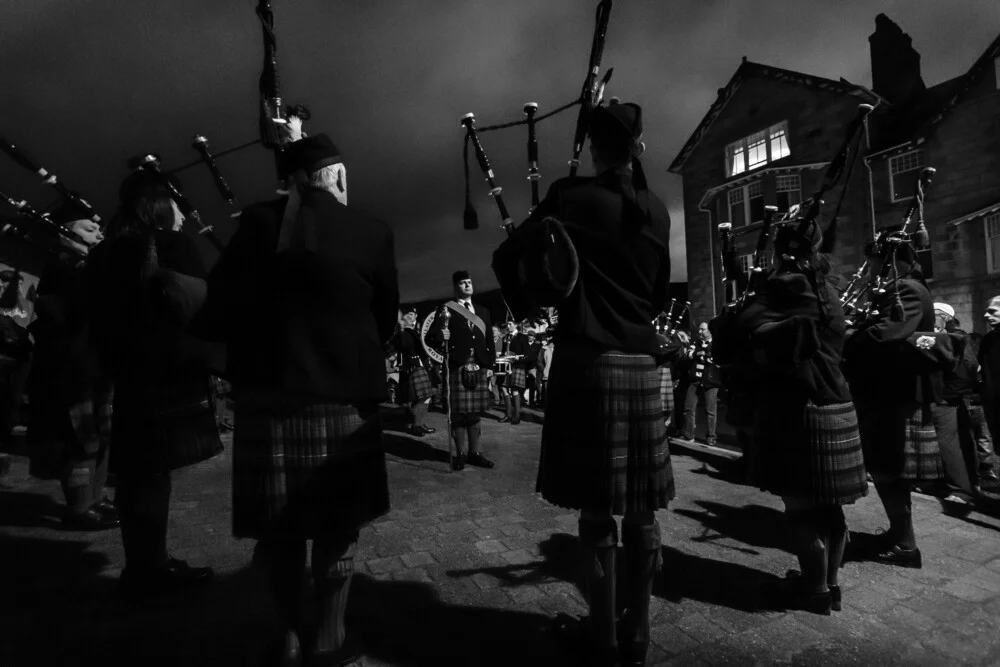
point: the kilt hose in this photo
(159, 428)
(808, 451)
(667, 390)
(307, 473)
(900, 442)
(604, 441)
(415, 386)
(466, 401)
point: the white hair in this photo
(333, 179)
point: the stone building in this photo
(771, 133)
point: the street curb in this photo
(706, 449)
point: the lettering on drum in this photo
(424, 328)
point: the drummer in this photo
(503, 368)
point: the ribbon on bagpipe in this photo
(49, 178)
(590, 96)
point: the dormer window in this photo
(758, 149)
(901, 174)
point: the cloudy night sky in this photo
(88, 84)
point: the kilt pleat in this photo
(809, 450)
(163, 428)
(468, 401)
(518, 378)
(416, 385)
(900, 442)
(312, 472)
(604, 441)
(666, 389)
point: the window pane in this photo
(901, 170)
(993, 243)
(735, 195)
(757, 209)
(737, 216)
(756, 150)
(779, 141)
(736, 158)
(755, 189)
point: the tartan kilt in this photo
(70, 440)
(465, 401)
(163, 427)
(813, 451)
(900, 442)
(416, 385)
(518, 378)
(307, 473)
(604, 441)
(666, 390)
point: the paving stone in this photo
(417, 559)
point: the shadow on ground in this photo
(753, 525)
(683, 576)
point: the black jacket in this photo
(309, 324)
(878, 367)
(624, 267)
(520, 345)
(466, 339)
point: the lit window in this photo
(779, 141)
(757, 149)
(901, 168)
(788, 191)
(993, 243)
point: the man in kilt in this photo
(604, 442)
(805, 429)
(471, 354)
(415, 388)
(527, 357)
(308, 454)
(69, 432)
(893, 396)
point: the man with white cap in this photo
(960, 385)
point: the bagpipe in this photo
(536, 265)
(800, 219)
(859, 295)
(273, 115)
(34, 220)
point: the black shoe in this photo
(836, 598)
(458, 462)
(988, 481)
(173, 576)
(427, 429)
(901, 556)
(516, 420)
(92, 519)
(788, 593)
(505, 420)
(416, 431)
(479, 460)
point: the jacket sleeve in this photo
(385, 301)
(885, 330)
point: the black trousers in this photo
(143, 501)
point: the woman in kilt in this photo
(148, 281)
(604, 442)
(893, 397)
(415, 388)
(805, 433)
(308, 454)
(70, 429)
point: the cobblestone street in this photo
(470, 567)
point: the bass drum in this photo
(424, 328)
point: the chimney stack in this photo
(895, 63)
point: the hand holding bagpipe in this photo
(26, 211)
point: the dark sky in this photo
(87, 84)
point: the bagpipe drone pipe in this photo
(536, 265)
